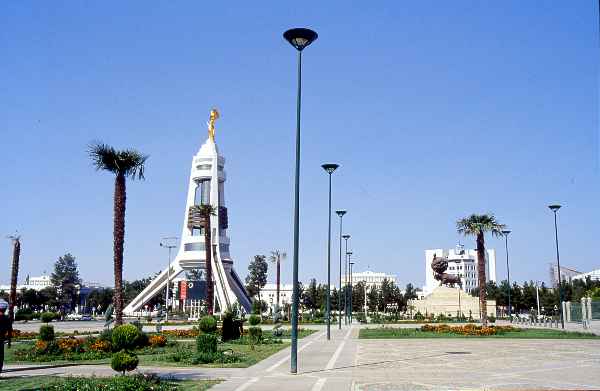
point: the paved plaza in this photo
(347, 363)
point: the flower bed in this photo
(469, 329)
(179, 333)
(18, 334)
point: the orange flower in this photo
(157, 340)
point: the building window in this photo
(193, 247)
(204, 166)
(202, 196)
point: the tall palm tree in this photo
(477, 225)
(205, 211)
(276, 257)
(124, 164)
(13, 276)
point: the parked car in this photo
(73, 316)
(86, 317)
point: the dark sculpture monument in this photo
(439, 266)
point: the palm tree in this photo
(276, 257)
(124, 164)
(205, 211)
(13, 276)
(477, 225)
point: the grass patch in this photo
(181, 355)
(51, 383)
(398, 333)
(287, 333)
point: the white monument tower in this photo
(206, 187)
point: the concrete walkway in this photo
(347, 363)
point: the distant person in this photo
(5, 330)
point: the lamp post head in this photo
(349, 253)
(330, 167)
(300, 38)
(346, 237)
(340, 213)
(554, 207)
(506, 232)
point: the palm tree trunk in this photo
(481, 277)
(210, 295)
(13, 278)
(278, 280)
(119, 240)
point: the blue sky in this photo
(433, 110)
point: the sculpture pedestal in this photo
(451, 302)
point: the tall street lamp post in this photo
(340, 213)
(329, 169)
(505, 233)
(299, 38)
(169, 243)
(346, 237)
(554, 208)
(351, 288)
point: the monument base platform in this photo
(451, 302)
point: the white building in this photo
(567, 274)
(269, 294)
(461, 262)
(594, 275)
(36, 283)
(371, 278)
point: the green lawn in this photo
(395, 333)
(179, 356)
(287, 333)
(38, 382)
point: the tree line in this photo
(524, 297)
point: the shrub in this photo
(123, 361)
(227, 330)
(138, 325)
(24, 314)
(419, 316)
(254, 320)
(255, 334)
(46, 333)
(125, 337)
(157, 340)
(47, 317)
(208, 324)
(206, 343)
(106, 335)
(205, 357)
(492, 319)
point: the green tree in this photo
(276, 257)
(358, 296)
(410, 293)
(100, 298)
(14, 275)
(373, 298)
(123, 164)
(65, 278)
(477, 225)
(205, 212)
(48, 296)
(257, 274)
(310, 296)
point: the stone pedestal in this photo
(450, 302)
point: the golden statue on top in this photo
(214, 115)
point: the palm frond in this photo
(128, 162)
(475, 223)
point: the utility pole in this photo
(170, 242)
